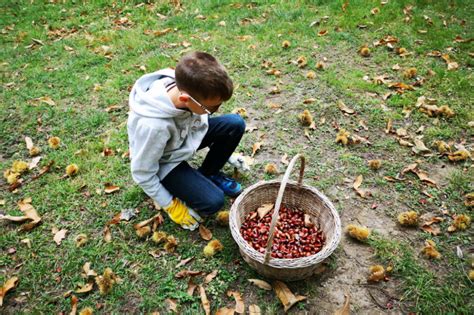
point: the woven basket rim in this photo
(296, 263)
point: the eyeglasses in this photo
(206, 109)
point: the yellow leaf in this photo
(7, 286)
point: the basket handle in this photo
(284, 181)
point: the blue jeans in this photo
(191, 185)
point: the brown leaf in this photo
(74, 302)
(147, 222)
(7, 286)
(261, 284)
(323, 33)
(239, 302)
(287, 298)
(45, 99)
(59, 236)
(34, 162)
(419, 147)
(225, 311)
(84, 288)
(88, 272)
(345, 309)
(184, 262)
(191, 287)
(254, 309)
(264, 209)
(361, 192)
(344, 108)
(432, 229)
(186, 273)
(284, 159)
(205, 302)
(205, 233)
(211, 276)
(388, 129)
(171, 305)
(309, 100)
(111, 188)
(256, 146)
(29, 212)
(401, 86)
(107, 234)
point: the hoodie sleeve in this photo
(146, 151)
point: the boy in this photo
(168, 122)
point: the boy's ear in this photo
(183, 98)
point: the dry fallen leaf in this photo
(88, 272)
(256, 146)
(84, 288)
(287, 298)
(345, 309)
(239, 302)
(107, 234)
(59, 236)
(187, 273)
(7, 286)
(225, 311)
(205, 302)
(111, 189)
(184, 262)
(344, 108)
(74, 302)
(210, 276)
(264, 209)
(30, 212)
(261, 284)
(361, 192)
(171, 305)
(205, 233)
(254, 309)
(419, 147)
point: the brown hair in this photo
(203, 77)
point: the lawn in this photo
(395, 75)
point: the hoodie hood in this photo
(149, 97)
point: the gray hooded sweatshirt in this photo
(160, 135)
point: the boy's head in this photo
(203, 78)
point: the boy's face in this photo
(207, 106)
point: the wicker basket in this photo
(294, 195)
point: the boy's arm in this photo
(147, 149)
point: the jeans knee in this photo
(238, 124)
(214, 204)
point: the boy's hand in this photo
(182, 215)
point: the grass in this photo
(86, 56)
